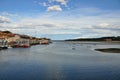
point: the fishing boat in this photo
(21, 44)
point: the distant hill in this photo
(97, 39)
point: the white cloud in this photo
(44, 4)
(9, 14)
(4, 19)
(62, 23)
(52, 5)
(63, 2)
(112, 26)
(104, 25)
(63, 26)
(54, 8)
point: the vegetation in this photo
(97, 39)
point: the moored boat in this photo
(3, 44)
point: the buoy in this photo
(73, 48)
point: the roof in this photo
(24, 36)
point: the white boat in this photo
(3, 44)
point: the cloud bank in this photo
(4, 19)
(54, 5)
(55, 22)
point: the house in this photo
(3, 39)
(21, 41)
(44, 41)
(34, 41)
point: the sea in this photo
(61, 61)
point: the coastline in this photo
(82, 42)
(109, 49)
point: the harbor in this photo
(59, 39)
(13, 40)
(58, 61)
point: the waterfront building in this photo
(34, 41)
(44, 41)
(21, 41)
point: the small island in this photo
(109, 50)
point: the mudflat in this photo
(109, 50)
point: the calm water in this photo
(58, 61)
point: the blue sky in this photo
(61, 19)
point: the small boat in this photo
(73, 48)
(25, 46)
(21, 44)
(3, 44)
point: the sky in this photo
(61, 19)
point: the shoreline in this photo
(93, 42)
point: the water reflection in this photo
(58, 61)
